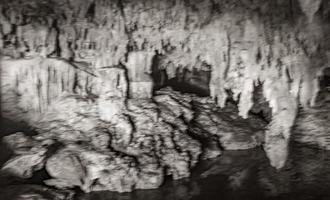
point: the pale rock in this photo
(111, 108)
(241, 46)
(23, 166)
(310, 7)
(35, 192)
(112, 82)
(102, 155)
(123, 130)
(277, 150)
(233, 132)
(30, 86)
(65, 169)
(91, 170)
(311, 126)
(284, 107)
(178, 104)
(19, 143)
(141, 89)
(29, 156)
(6, 25)
(165, 143)
(139, 69)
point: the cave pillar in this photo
(139, 68)
(277, 137)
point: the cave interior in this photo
(164, 99)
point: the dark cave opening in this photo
(323, 95)
(195, 81)
(261, 106)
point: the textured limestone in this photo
(310, 7)
(29, 156)
(226, 127)
(29, 86)
(311, 126)
(139, 69)
(35, 192)
(244, 42)
(134, 148)
(91, 170)
(112, 82)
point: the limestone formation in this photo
(29, 156)
(82, 74)
(139, 70)
(231, 131)
(95, 153)
(35, 192)
(131, 147)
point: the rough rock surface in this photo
(29, 155)
(53, 47)
(312, 127)
(134, 148)
(281, 44)
(35, 192)
(128, 144)
(225, 125)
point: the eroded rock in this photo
(312, 127)
(29, 156)
(35, 192)
(226, 126)
(134, 147)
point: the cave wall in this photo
(51, 47)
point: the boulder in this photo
(29, 155)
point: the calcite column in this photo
(139, 67)
(284, 107)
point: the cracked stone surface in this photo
(133, 147)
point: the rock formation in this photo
(26, 192)
(81, 73)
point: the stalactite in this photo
(310, 7)
(31, 85)
(5, 23)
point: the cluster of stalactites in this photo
(31, 85)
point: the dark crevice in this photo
(91, 12)
(260, 106)
(186, 81)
